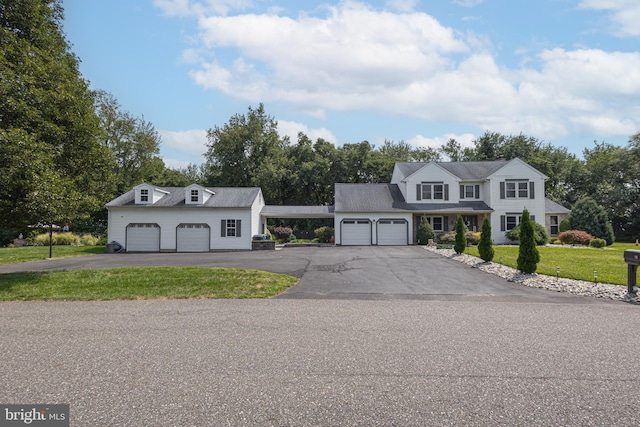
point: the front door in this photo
(471, 222)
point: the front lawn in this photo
(575, 262)
(143, 283)
(38, 253)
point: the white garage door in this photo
(356, 232)
(193, 238)
(143, 238)
(392, 232)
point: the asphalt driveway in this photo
(396, 272)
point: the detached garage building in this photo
(191, 219)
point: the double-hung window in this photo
(516, 189)
(554, 225)
(230, 228)
(433, 191)
(194, 196)
(436, 223)
(144, 195)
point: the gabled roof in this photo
(552, 207)
(224, 197)
(388, 198)
(466, 171)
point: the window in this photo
(231, 228)
(194, 196)
(144, 195)
(554, 225)
(512, 222)
(469, 191)
(435, 191)
(436, 222)
(516, 189)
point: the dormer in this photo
(196, 195)
(147, 194)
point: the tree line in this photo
(66, 150)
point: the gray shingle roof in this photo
(224, 197)
(273, 211)
(552, 207)
(468, 171)
(388, 198)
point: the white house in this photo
(191, 219)
(389, 214)
(199, 219)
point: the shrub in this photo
(565, 225)
(424, 232)
(283, 234)
(540, 234)
(575, 237)
(323, 234)
(528, 255)
(461, 239)
(88, 240)
(485, 247)
(598, 243)
(449, 237)
(473, 237)
(58, 239)
(588, 216)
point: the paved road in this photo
(284, 362)
(402, 272)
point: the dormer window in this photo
(144, 195)
(195, 196)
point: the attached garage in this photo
(355, 232)
(143, 238)
(193, 238)
(392, 232)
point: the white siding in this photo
(256, 208)
(432, 172)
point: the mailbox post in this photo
(632, 258)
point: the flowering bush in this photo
(575, 237)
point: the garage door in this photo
(356, 232)
(392, 232)
(143, 238)
(193, 238)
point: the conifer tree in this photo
(528, 255)
(424, 232)
(461, 239)
(484, 245)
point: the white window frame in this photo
(432, 223)
(516, 189)
(144, 195)
(195, 196)
(230, 228)
(469, 191)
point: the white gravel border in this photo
(576, 287)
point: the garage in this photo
(392, 232)
(355, 232)
(193, 238)
(143, 238)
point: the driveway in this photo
(394, 272)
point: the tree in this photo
(528, 255)
(461, 239)
(588, 216)
(424, 232)
(485, 247)
(46, 108)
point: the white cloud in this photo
(356, 58)
(402, 5)
(623, 14)
(189, 145)
(291, 129)
(467, 3)
(189, 7)
(465, 140)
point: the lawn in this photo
(37, 253)
(575, 262)
(143, 283)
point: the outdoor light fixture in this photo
(595, 276)
(557, 273)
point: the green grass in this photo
(38, 253)
(143, 283)
(575, 262)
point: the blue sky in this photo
(564, 71)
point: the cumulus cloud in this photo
(623, 14)
(190, 143)
(419, 141)
(353, 57)
(291, 129)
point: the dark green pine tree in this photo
(424, 232)
(485, 246)
(528, 256)
(461, 239)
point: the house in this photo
(191, 219)
(202, 219)
(389, 214)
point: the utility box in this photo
(632, 258)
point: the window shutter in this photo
(502, 191)
(223, 228)
(477, 191)
(531, 192)
(446, 191)
(503, 223)
(445, 223)
(462, 191)
(238, 227)
(418, 191)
